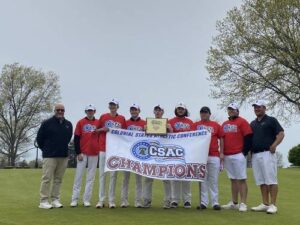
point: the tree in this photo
(27, 96)
(294, 155)
(256, 54)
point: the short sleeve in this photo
(100, 122)
(245, 128)
(78, 129)
(222, 134)
(276, 126)
(219, 130)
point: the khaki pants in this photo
(53, 171)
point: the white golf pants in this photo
(210, 184)
(91, 161)
(181, 188)
(102, 181)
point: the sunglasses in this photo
(59, 110)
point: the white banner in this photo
(175, 156)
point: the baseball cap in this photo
(205, 109)
(158, 107)
(259, 103)
(180, 105)
(90, 107)
(136, 106)
(114, 101)
(233, 105)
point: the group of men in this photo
(230, 144)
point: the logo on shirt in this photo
(230, 128)
(89, 128)
(203, 127)
(112, 124)
(181, 126)
(146, 150)
(133, 127)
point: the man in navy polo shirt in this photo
(267, 135)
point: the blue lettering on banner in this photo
(122, 132)
(146, 150)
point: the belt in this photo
(260, 151)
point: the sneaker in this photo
(112, 205)
(57, 204)
(45, 205)
(174, 205)
(147, 204)
(217, 207)
(261, 208)
(243, 207)
(100, 205)
(138, 205)
(167, 205)
(86, 204)
(272, 209)
(73, 204)
(201, 206)
(124, 204)
(187, 205)
(230, 205)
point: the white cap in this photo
(159, 106)
(233, 105)
(114, 101)
(90, 107)
(136, 106)
(180, 105)
(259, 103)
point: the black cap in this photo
(205, 109)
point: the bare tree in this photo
(26, 97)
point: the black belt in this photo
(260, 151)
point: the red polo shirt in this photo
(137, 124)
(109, 121)
(89, 143)
(181, 124)
(233, 132)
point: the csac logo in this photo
(133, 127)
(146, 150)
(203, 127)
(230, 128)
(89, 128)
(181, 125)
(112, 124)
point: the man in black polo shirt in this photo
(267, 135)
(53, 138)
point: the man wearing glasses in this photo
(53, 138)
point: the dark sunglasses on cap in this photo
(59, 110)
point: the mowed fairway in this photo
(19, 198)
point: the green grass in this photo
(19, 198)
